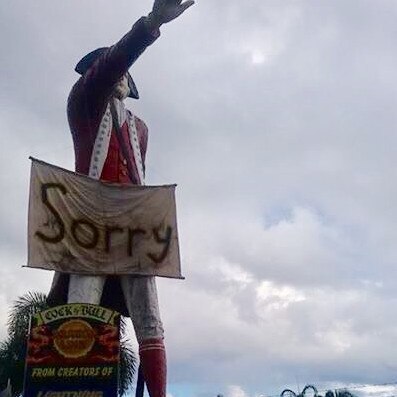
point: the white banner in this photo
(80, 225)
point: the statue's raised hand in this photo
(166, 10)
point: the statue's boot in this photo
(154, 366)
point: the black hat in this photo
(86, 62)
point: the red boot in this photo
(154, 366)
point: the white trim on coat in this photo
(102, 141)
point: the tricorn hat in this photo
(87, 61)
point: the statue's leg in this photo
(140, 294)
(85, 289)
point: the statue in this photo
(110, 145)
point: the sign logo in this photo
(74, 339)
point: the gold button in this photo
(124, 161)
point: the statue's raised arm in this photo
(102, 78)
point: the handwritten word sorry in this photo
(88, 235)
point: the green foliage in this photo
(128, 366)
(22, 309)
(12, 356)
(13, 349)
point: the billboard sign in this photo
(73, 351)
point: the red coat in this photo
(87, 104)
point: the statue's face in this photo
(121, 90)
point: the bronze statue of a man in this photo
(110, 145)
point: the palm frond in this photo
(12, 364)
(22, 309)
(123, 326)
(129, 361)
(128, 366)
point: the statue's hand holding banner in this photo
(80, 225)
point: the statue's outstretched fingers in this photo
(187, 4)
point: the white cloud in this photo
(258, 57)
(378, 391)
(278, 297)
(236, 391)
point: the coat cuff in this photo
(151, 26)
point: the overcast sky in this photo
(276, 118)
